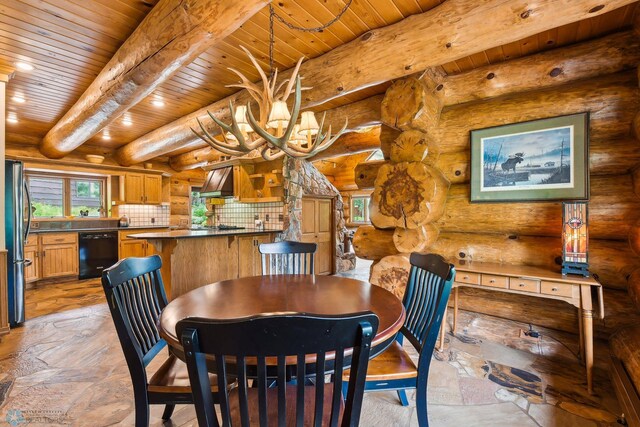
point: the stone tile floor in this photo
(67, 368)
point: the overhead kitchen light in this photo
(157, 102)
(24, 66)
(12, 118)
(126, 120)
(106, 136)
(19, 99)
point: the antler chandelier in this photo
(276, 132)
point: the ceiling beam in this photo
(360, 114)
(450, 31)
(170, 37)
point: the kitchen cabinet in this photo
(136, 247)
(142, 188)
(249, 258)
(32, 252)
(58, 254)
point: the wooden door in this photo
(317, 227)
(153, 189)
(133, 248)
(59, 260)
(134, 188)
(32, 272)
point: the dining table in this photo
(281, 294)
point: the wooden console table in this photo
(536, 282)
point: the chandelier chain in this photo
(273, 15)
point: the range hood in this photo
(219, 183)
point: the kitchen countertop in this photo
(187, 234)
(76, 230)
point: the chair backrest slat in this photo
(266, 343)
(136, 297)
(288, 257)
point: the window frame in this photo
(367, 199)
(66, 191)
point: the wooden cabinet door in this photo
(133, 248)
(32, 272)
(317, 227)
(134, 188)
(59, 260)
(153, 189)
(246, 248)
(257, 257)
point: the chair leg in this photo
(168, 411)
(421, 406)
(402, 395)
(142, 408)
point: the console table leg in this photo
(443, 329)
(581, 335)
(455, 311)
(587, 318)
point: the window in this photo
(376, 155)
(360, 209)
(198, 208)
(56, 196)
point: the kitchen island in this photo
(193, 258)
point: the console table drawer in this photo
(470, 278)
(495, 281)
(527, 285)
(559, 289)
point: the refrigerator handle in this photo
(28, 229)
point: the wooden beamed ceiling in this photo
(70, 41)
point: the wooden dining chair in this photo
(288, 257)
(425, 299)
(247, 347)
(136, 297)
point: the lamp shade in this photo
(296, 136)
(308, 123)
(279, 115)
(241, 119)
(575, 238)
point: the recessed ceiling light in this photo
(18, 99)
(126, 120)
(24, 66)
(106, 136)
(12, 118)
(157, 103)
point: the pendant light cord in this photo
(273, 16)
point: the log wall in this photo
(529, 233)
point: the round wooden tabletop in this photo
(250, 296)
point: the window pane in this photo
(47, 196)
(358, 209)
(198, 208)
(86, 196)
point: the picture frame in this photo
(537, 160)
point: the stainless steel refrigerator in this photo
(17, 224)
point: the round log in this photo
(613, 209)
(365, 173)
(608, 259)
(372, 243)
(392, 274)
(415, 240)
(407, 195)
(634, 287)
(612, 100)
(387, 136)
(403, 101)
(414, 146)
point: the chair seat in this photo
(392, 364)
(272, 405)
(172, 377)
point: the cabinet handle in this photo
(554, 289)
(466, 277)
(522, 285)
(492, 281)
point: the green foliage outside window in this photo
(198, 209)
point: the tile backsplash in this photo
(243, 214)
(142, 215)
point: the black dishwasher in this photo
(97, 251)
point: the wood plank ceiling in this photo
(69, 42)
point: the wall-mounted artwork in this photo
(544, 159)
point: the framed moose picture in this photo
(545, 159)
